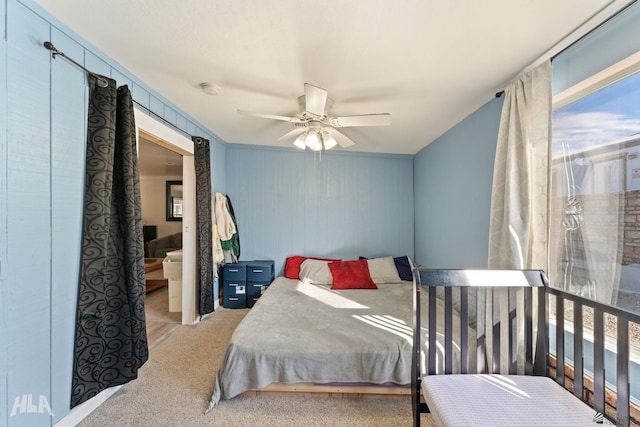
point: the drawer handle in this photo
(233, 270)
(257, 271)
(257, 286)
(233, 299)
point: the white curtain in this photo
(518, 224)
(519, 210)
(587, 224)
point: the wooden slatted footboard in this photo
(512, 323)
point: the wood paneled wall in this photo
(43, 108)
(344, 205)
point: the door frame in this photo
(163, 135)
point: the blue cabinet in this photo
(244, 282)
(260, 271)
(237, 271)
(234, 301)
(234, 285)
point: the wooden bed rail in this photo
(512, 322)
(590, 385)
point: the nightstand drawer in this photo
(236, 271)
(256, 288)
(234, 301)
(260, 271)
(234, 288)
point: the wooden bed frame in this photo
(332, 391)
(570, 374)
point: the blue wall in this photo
(42, 138)
(453, 174)
(4, 245)
(453, 177)
(341, 205)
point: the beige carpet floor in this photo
(174, 386)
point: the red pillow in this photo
(293, 263)
(351, 275)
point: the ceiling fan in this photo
(315, 126)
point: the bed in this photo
(301, 332)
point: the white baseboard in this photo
(81, 411)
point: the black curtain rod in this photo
(102, 82)
(570, 45)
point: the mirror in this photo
(174, 200)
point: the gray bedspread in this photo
(298, 332)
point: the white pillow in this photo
(316, 272)
(383, 270)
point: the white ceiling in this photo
(428, 63)
(155, 160)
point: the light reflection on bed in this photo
(390, 324)
(326, 296)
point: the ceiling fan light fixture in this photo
(313, 141)
(300, 141)
(328, 141)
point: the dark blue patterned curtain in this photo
(204, 245)
(111, 339)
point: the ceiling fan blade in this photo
(272, 116)
(382, 119)
(297, 131)
(340, 138)
(315, 99)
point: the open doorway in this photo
(174, 148)
(160, 169)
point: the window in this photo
(594, 211)
(595, 190)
